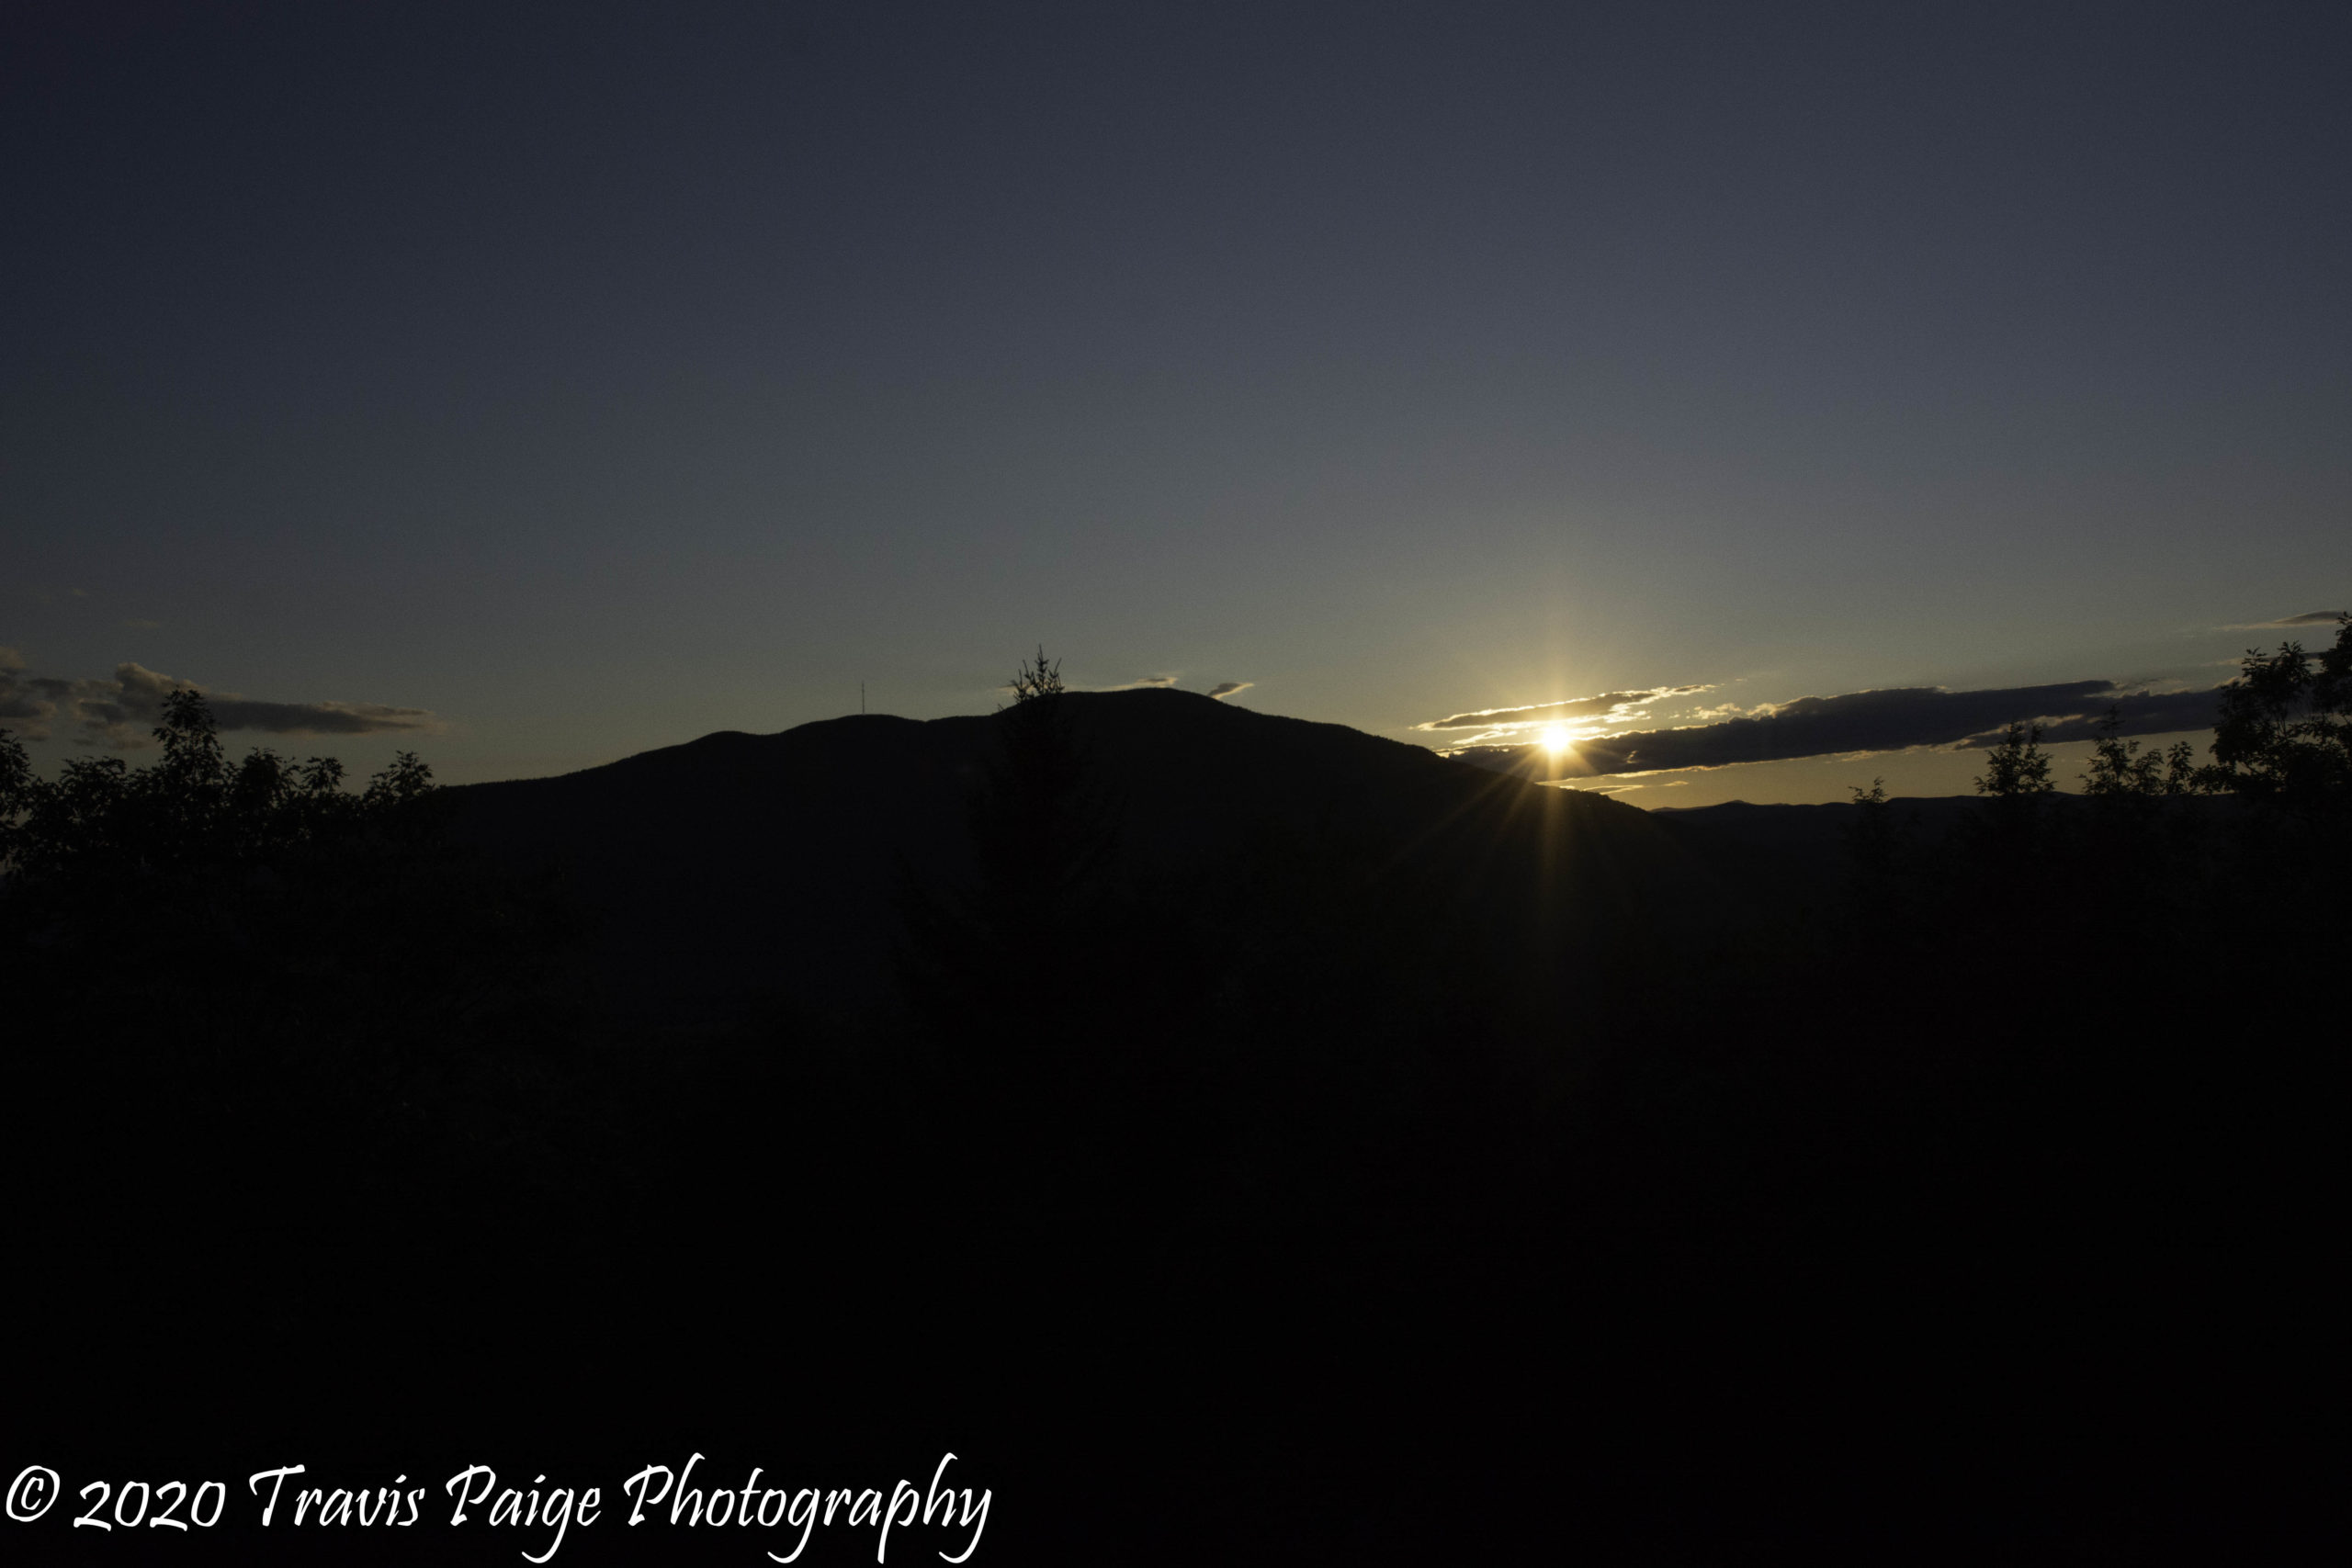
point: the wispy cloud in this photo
(1605, 708)
(119, 713)
(2285, 623)
(1895, 719)
(1226, 688)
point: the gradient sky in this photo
(591, 378)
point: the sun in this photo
(1556, 739)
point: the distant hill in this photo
(741, 865)
(1791, 858)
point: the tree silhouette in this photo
(192, 813)
(1040, 826)
(2284, 734)
(2118, 770)
(265, 887)
(1006, 955)
(2018, 769)
(1040, 682)
(1878, 855)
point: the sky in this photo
(533, 386)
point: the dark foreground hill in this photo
(1238, 1140)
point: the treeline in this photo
(2169, 924)
(2157, 851)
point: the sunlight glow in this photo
(1556, 739)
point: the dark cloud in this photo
(1226, 688)
(120, 712)
(2144, 713)
(1895, 719)
(319, 719)
(1607, 705)
(1526, 760)
(28, 703)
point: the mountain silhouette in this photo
(739, 866)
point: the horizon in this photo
(117, 720)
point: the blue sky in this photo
(587, 379)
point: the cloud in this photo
(2143, 713)
(28, 703)
(2316, 618)
(1226, 688)
(119, 713)
(321, 718)
(1606, 705)
(1146, 683)
(1895, 719)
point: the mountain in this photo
(739, 866)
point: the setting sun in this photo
(1556, 739)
